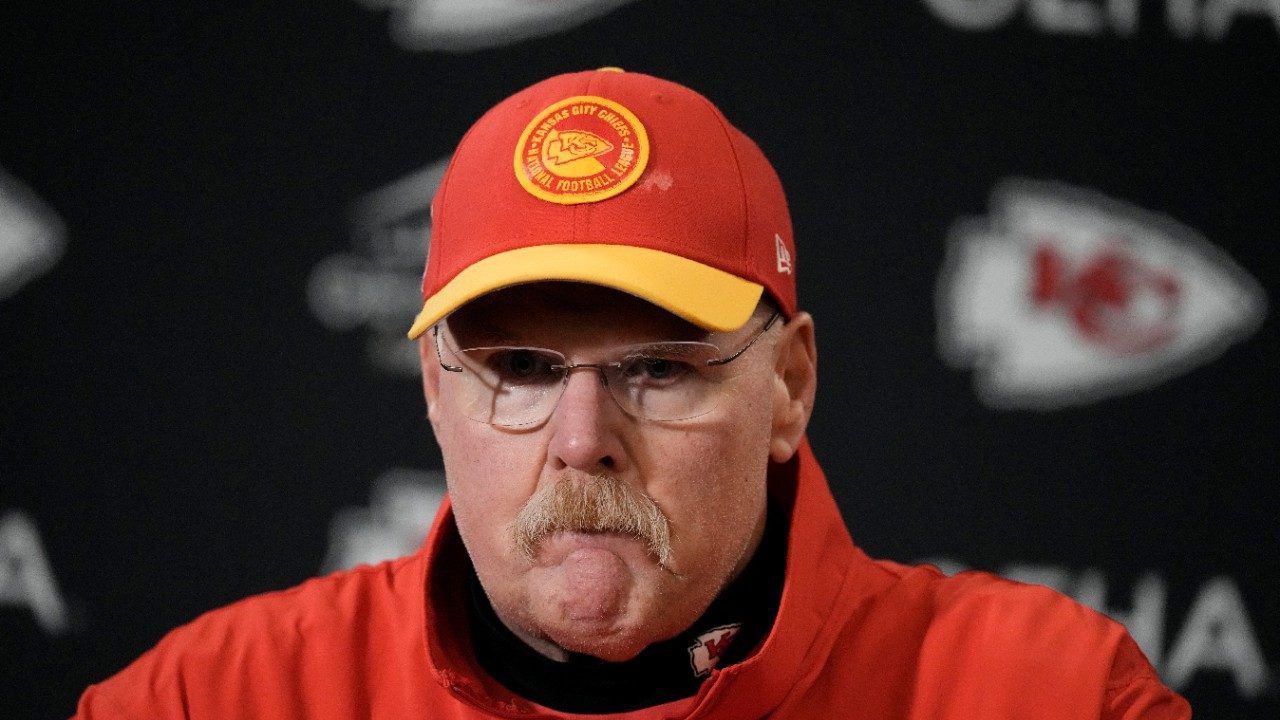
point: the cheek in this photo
(712, 479)
(486, 482)
(743, 453)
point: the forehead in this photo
(541, 313)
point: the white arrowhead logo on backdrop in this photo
(1063, 296)
(377, 285)
(404, 501)
(31, 236)
(466, 25)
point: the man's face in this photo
(605, 593)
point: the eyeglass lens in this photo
(518, 386)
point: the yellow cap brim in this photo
(712, 299)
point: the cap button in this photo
(610, 68)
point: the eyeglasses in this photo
(517, 387)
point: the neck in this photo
(541, 645)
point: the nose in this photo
(585, 426)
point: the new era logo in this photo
(784, 255)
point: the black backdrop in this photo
(1038, 237)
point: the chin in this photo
(611, 645)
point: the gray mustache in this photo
(601, 504)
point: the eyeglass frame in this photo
(568, 368)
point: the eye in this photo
(521, 365)
(659, 368)
(653, 369)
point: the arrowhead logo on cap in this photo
(581, 149)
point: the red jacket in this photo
(854, 638)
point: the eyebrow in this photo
(482, 333)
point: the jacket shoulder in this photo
(319, 629)
(980, 616)
(319, 610)
(976, 642)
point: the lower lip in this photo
(559, 545)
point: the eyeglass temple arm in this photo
(435, 332)
(767, 324)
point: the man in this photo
(619, 378)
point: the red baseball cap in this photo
(616, 179)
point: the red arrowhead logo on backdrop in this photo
(1063, 296)
(1113, 300)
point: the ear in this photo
(430, 375)
(795, 384)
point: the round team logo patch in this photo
(582, 149)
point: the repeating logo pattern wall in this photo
(377, 285)
(1063, 296)
(1182, 19)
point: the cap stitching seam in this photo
(582, 211)
(737, 164)
(438, 224)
